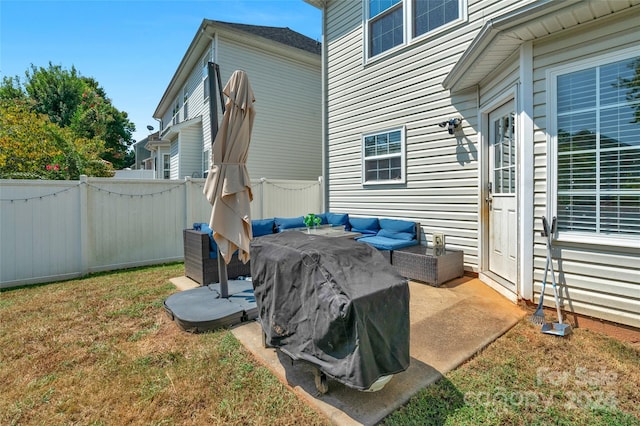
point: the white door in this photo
(503, 217)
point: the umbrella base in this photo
(202, 309)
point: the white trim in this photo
(403, 156)
(524, 112)
(502, 290)
(552, 144)
(408, 28)
(483, 141)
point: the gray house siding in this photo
(175, 159)
(287, 134)
(600, 280)
(445, 174)
(191, 152)
(405, 89)
(286, 138)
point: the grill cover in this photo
(333, 302)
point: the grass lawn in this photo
(101, 350)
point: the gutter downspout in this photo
(325, 110)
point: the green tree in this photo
(32, 147)
(11, 89)
(55, 92)
(76, 103)
(96, 117)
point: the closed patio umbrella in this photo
(228, 186)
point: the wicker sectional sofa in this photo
(200, 251)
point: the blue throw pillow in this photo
(261, 227)
(283, 223)
(196, 226)
(405, 236)
(397, 225)
(323, 218)
(204, 227)
(337, 219)
(364, 225)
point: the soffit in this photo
(174, 130)
(499, 38)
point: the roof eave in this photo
(320, 4)
(197, 43)
(488, 37)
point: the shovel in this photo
(556, 328)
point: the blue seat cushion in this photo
(407, 236)
(337, 219)
(283, 223)
(397, 225)
(385, 243)
(364, 225)
(260, 227)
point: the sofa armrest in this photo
(196, 244)
(196, 256)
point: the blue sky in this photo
(132, 48)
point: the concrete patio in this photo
(449, 324)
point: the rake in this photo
(556, 328)
(538, 316)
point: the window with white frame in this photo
(176, 112)
(598, 148)
(205, 162)
(391, 23)
(185, 102)
(383, 157)
(166, 166)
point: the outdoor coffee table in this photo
(428, 265)
(328, 231)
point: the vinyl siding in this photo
(404, 88)
(191, 152)
(175, 159)
(286, 141)
(599, 280)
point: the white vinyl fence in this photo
(55, 230)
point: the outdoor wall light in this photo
(451, 125)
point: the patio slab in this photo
(449, 324)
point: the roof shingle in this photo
(279, 34)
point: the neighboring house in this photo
(284, 71)
(547, 94)
(143, 160)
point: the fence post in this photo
(84, 225)
(188, 208)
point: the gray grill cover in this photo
(333, 302)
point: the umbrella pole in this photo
(213, 70)
(223, 278)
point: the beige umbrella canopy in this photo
(228, 187)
